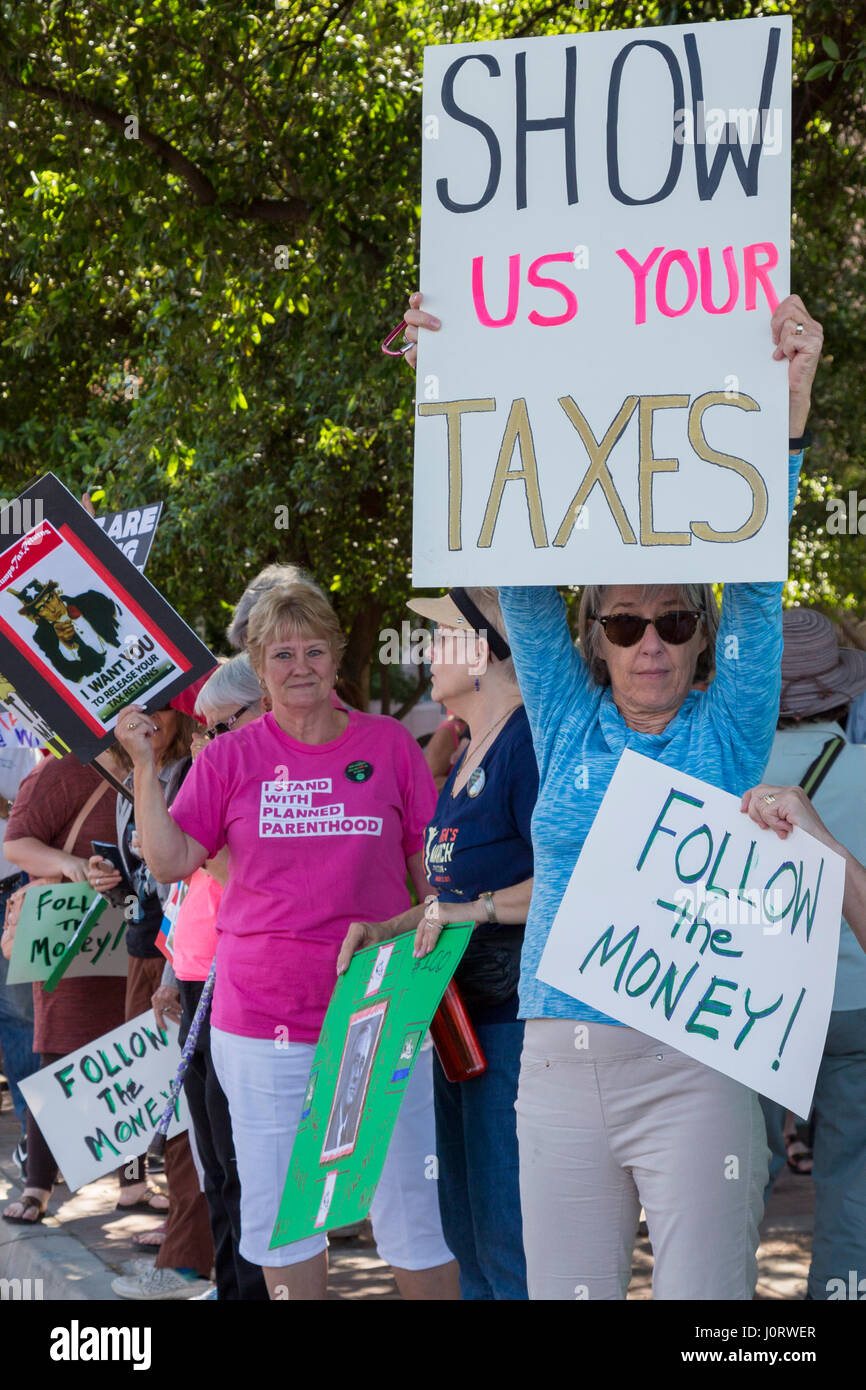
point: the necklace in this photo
(474, 753)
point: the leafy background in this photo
(208, 222)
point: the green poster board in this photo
(49, 932)
(376, 1021)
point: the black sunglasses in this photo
(224, 725)
(626, 629)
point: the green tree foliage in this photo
(208, 222)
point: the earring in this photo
(477, 686)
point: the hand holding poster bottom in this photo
(372, 1034)
(718, 938)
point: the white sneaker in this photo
(159, 1284)
(205, 1297)
(140, 1266)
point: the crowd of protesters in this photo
(546, 1159)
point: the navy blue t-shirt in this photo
(478, 844)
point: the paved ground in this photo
(85, 1242)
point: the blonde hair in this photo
(699, 597)
(292, 610)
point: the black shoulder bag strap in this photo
(817, 771)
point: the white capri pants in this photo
(265, 1087)
(626, 1121)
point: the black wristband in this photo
(801, 442)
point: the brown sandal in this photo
(145, 1203)
(28, 1202)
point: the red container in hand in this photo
(455, 1039)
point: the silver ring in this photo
(769, 798)
(799, 328)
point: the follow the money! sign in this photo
(704, 931)
(50, 916)
(98, 1106)
(604, 237)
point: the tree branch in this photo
(269, 210)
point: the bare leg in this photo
(432, 1285)
(299, 1283)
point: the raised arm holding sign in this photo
(658, 673)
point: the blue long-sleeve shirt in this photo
(723, 736)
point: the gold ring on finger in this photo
(132, 725)
(769, 798)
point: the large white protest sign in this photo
(98, 1107)
(604, 236)
(685, 920)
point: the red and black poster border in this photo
(24, 666)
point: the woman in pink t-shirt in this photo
(322, 810)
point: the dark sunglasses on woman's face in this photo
(627, 629)
(224, 725)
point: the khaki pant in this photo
(609, 1120)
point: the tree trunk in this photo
(363, 636)
(385, 687)
(421, 683)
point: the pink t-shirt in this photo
(195, 935)
(318, 837)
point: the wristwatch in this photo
(487, 899)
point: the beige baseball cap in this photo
(457, 610)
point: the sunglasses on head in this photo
(224, 725)
(627, 629)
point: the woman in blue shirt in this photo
(478, 861)
(609, 1120)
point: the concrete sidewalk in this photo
(84, 1242)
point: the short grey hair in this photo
(486, 600)
(695, 596)
(268, 578)
(233, 686)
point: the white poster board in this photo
(98, 1107)
(604, 236)
(14, 733)
(686, 921)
